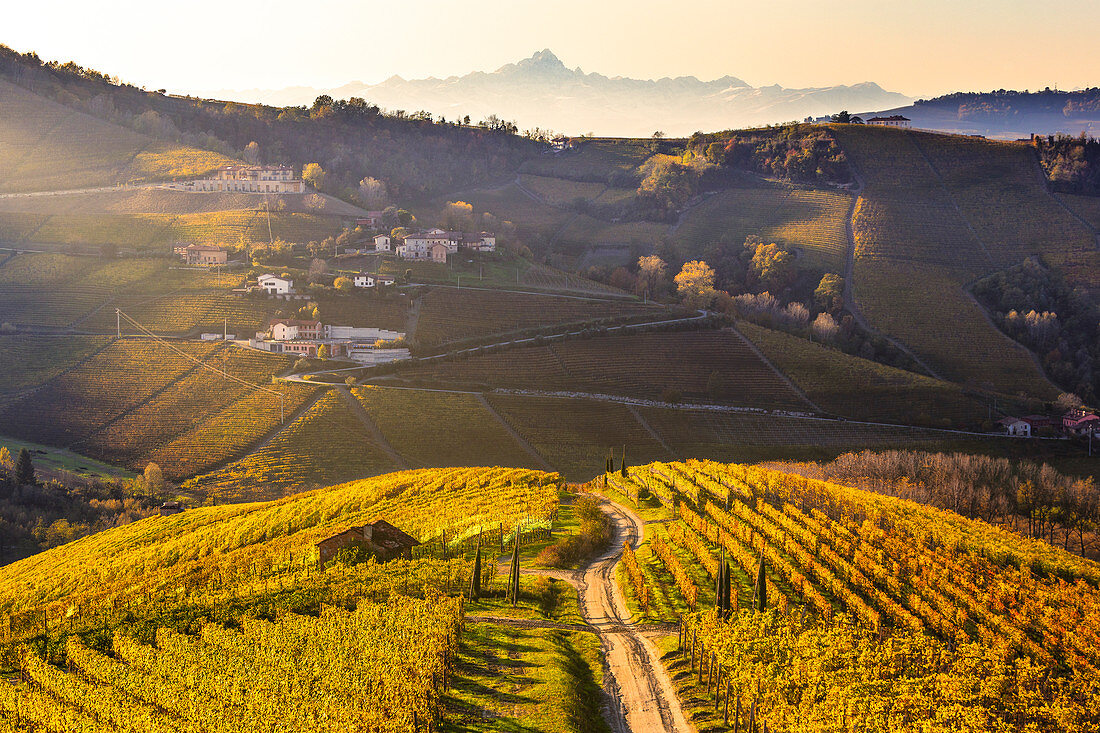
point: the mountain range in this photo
(541, 91)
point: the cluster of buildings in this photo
(201, 254)
(1079, 422)
(245, 179)
(432, 245)
(305, 337)
(437, 244)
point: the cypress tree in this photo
(761, 587)
(622, 468)
(475, 579)
(24, 469)
(513, 572)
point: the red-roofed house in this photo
(1080, 422)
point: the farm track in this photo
(520, 440)
(849, 281)
(372, 428)
(779, 373)
(652, 433)
(640, 695)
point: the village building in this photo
(275, 285)
(367, 280)
(1016, 427)
(246, 179)
(424, 245)
(202, 254)
(1080, 422)
(891, 121)
(373, 220)
(380, 538)
(383, 243)
(291, 329)
(169, 508)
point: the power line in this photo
(119, 314)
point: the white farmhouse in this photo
(383, 243)
(363, 280)
(275, 285)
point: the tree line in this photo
(1031, 498)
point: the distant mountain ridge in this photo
(540, 91)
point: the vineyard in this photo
(206, 550)
(131, 400)
(808, 220)
(950, 332)
(922, 230)
(861, 389)
(1001, 192)
(299, 671)
(27, 362)
(459, 429)
(721, 369)
(574, 435)
(847, 569)
(745, 436)
(220, 619)
(326, 444)
(450, 314)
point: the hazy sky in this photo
(918, 48)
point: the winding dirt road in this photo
(633, 676)
(640, 694)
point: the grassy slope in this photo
(45, 146)
(915, 251)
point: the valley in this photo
(785, 428)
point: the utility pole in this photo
(118, 321)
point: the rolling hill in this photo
(864, 596)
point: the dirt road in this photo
(641, 698)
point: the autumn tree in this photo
(652, 276)
(6, 461)
(829, 294)
(773, 266)
(252, 152)
(314, 175)
(153, 478)
(373, 193)
(458, 215)
(343, 284)
(695, 284)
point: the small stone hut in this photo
(381, 538)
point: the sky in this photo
(921, 48)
